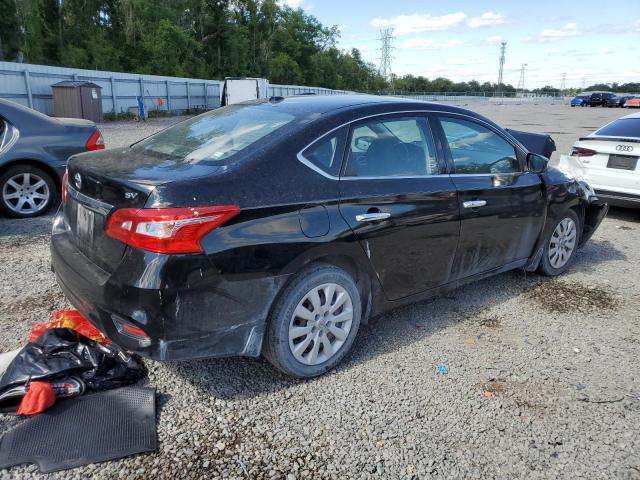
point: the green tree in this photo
(10, 35)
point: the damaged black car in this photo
(278, 227)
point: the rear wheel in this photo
(561, 245)
(26, 191)
(314, 322)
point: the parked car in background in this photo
(612, 101)
(277, 227)
(633, 102)
(580, 100)
(610, 159)
(34, 150)
(617, 101)
(599, 99)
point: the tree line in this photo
(188, 38)
(201, 39)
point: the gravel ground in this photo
(542, 375)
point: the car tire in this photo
(560, 245)
(30, 183)
(317, 322)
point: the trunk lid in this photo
(92, 196)
(103, 181)
(615, 166)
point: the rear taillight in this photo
(95, 142)
(167, 230)
(582, 152)
(64, 192)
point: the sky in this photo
(589, 41)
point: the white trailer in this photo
(241, 89)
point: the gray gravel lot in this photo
(543, 375)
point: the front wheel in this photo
(561, 245)
(314, 322)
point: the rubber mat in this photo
(89, 429)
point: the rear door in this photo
(402, 208)
(501, 204)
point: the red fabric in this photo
(38, 398)
(69, 319)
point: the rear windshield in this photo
(623, 127)
(215, 136)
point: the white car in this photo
(611, 160)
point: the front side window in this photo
(391, 147)
(476, 149)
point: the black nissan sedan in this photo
(279, 227)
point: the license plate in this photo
(85, 221)
(622, 162)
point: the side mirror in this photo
(537, 163)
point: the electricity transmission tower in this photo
(563, 85)
(521, 81)
(503, 47)
(386, 36)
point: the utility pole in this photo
(386, 36)
(503, 48)
(563, 85)
(521, 81)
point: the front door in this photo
(402, 208)
(501, 204)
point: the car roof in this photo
(631, 115)
(320, 104)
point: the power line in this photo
(386, 36)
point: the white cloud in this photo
(495, 40)
(551, 35)
(425, 44)
(291, 3)
(487, 19)
(526, 39)
(417, 23)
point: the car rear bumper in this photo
(619, 199)
(186, 308)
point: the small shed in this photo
(77, 99)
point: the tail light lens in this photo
(95, 142)
(64, 191)
(582, 152)
(167, 230)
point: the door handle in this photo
(372, 217)
(474, 203)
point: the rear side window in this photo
(476, 149)
(391, 147)
(623, 127)
(217, 135)
(326, 152)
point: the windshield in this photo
(217, 135)
(623, 127)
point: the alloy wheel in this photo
(562, 243)
(25, 193)
(320, 324)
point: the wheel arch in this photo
(350, 260)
